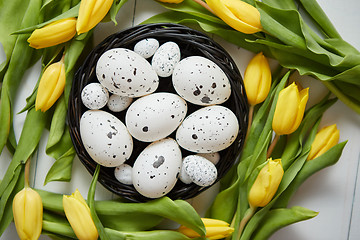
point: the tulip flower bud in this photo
(78, 214)
(237, 14)
(257, 79)
(325, 139)
(53, 34)
(266, 184)
(290, 108)
(215, 229)
(91, 12)
(28, 214)
(51, 86)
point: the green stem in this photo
(91, 202)
(251, 114)
(59, 229)
(272, 145)
(200, 2)
(249, 213)
(27, 170)
(345, 99)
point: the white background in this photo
(333, 192)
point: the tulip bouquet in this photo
(278, 29)
(282, 147)
(281, 151)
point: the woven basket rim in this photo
(190, 41)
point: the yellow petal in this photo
(325, 139)
(78, 214)
(47, 84)
(53, 34)
(214, 222)
(237, 14)
(28, 214)
(91, 12)
(58, 90)
(266, 184)
(304, 96)
(289, 109)
(257, 79)
(215, 229)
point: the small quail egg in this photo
(94, 96)
(201, 171)
(146, 47)
(118, 103)
(165, 59)
(183, 176)
(123, 174)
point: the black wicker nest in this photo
(191, 42)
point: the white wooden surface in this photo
(334, 192)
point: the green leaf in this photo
(179, 210)
(281, 4)
(264, 138)
(310, 167)
(279, 218)
(7, 216)
(73, 12)
(342, 45)
(117, 4)
(21, 59)
(59, 145)
(194, 9)
(319, 16)
(284, 24)
(232, 198)
(62, 168)
(296, 139)
(9, 23)
(220, 30)
(60, 229)
(146, 235)
(225, 203)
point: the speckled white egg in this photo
(166, 58)
(123, 174)
(183, 176)
(155, 116)
(105, 138)
(118, 103)
(156, 170)
(212, 157)
(94, 96)
(201, 171)
(126, 73)
(146, 47)
(201, 81)
(209, 129)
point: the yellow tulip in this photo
(51, 86)
(78, 214)
(28, 214)
(266, 184)
(171, 1)
(53, 34)
(215, 229)
(289, 109)
(257, 79)
(325, 139)
(237, 14)
(91, 12)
